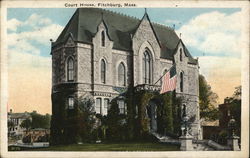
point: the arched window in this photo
(180, 54)
(121, 75)
(146, 67)
(103, 38)
(181, 81)
(70, 69)
(103, 71)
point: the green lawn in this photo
(112, 147)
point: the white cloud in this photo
(18, 59)
(22, 52)
(36, 21)
(13, 24)
(42, 30)
(214, 33)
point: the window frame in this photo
(103, 38)
(106, 109)
(122, 107)
(103, 71)
(70, 69)
(121, 76)
(100, 106)
(71, 102)
(181, 81)
(147, 67)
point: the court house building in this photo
(100, 51)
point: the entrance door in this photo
(153, 116)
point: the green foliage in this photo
(116, 123)
(235, 108)
(176, 108)
(27, 139)
(142, 100)
(26, 124)
(207, 100)
(169, 114)
(10, 124)
(84, 119)
(40, 121)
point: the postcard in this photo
(124, 78)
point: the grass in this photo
(112, 147)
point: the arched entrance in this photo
(152, 115)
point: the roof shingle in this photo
(84, 23)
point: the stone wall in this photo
(87, 59)
(143, 39)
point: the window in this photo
(106, 106)
(121, 75)
(103, 71)
(103, 39)
(180, 54)
(98, 105)
(122, 107)
(70, 69)
(146, 67)
(71, 103)
(181, 81)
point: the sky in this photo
(211, 34)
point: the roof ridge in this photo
(162, 25)
(120, 13)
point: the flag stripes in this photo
(169, 81)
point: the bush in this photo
(27, 139)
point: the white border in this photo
(244, 5)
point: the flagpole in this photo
(164, 74)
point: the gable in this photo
(121, 28)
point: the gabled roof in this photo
(186, 52)
(85, 21)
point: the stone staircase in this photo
(198, 145)
(201, 145)
(165, 139)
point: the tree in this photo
(26, 124)
(235, 108)
(85, 119)
(40, 121)
(114, 122)
(207, 100)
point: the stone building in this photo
(100, 51)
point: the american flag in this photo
(169, 80)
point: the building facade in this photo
(99, 51)
(15, 120)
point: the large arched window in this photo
(103, 71)
(103, 38)
(146, 67)
(180, 54)
(70, 69)
(181, 81)
(121, 75)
